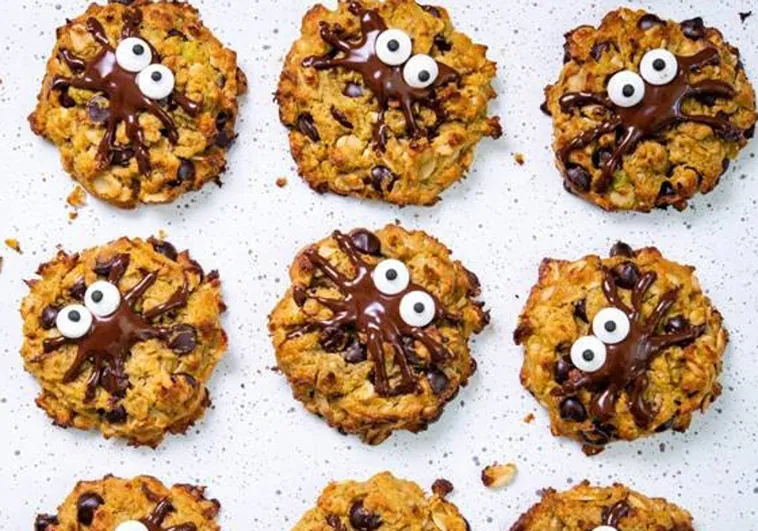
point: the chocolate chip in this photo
(433, 10)
(78, 290)
(173, 32)
(117, 415)
(599, 49)
(438, 380)
(693, 28)
(306, 125)
(86, 507)
(676, 324)
(163, 247)
(353, 90)
(355, 353)
(622, 249)
(562, 369)
(97, 110)
(300, 295)
(334, 521)
(707, 99)
(49, 314)
(341, 118)
(224, 139)
(665, 426)
(579, 178)
(184, 339)
(184, 173)
(601, 156)
(573, 410)
(333, 339)
(442, 487)
(626, 275)
(544, 109)
(43, 521)
(567, 49)
(366, 242)
(580, 310)
(648, 21)
(725, 162)
(121, 157)
(442, 43)
(363, 520)
(667, 189)
(65, 100)
(749, 132)
(382, 179)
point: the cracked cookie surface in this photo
(383, 502)
(141, 101)
(648, 112)
(139, 504)
(123, 338)
(618, 508)
(392, 115)
(620, 348)
(373, 334)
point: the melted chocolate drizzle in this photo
(103, 74)
(386, 82)
(154, 521)
(660, 109)
(368, 311)
(627, 362)
(612, 515)
(109, 341)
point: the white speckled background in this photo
(259, 452)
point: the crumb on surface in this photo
(519, 158)
(281, 182)
(495, 476)
(529, 418)
(13, 244)
(77, 198)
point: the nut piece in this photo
(496, 476)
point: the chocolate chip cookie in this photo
(383, 502)
(615, 508)
(139, 504)
(141, 100)
(647, 112)
(620, 348)
(123, 338)
(385, 100)
(373, 334)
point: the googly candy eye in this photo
(133, 54)
(102, 298)
(391, 277)
(156, 82)
(393, 47)
(417, 309)
(659, 67)
(421, 71)
(588, 354)
(601, 528)
(131, 525)
(626, 88)
(74, 321)
(611, 326)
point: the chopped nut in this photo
(495, 476)
(13, 244)
(519, 158)
(529, 418)
(77, 198)
(281, 182)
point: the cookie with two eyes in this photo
(141, 100)
(385, 100)
(383, 502)
(373, 334)
(620, 348)
(123, 338)
(647, 112)
(614, 508)
(139, 504)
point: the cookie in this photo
(647, 112)
(373, 334)
(123, 338)
(616, 508)
(385, 100)
(141, 100)
(383, 502)
(620, 348)
(139, 504)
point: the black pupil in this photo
(138, 49)
(157, 76)
(391, 274)
(424, 76)
(419, 307)
(393, 45)
(588, 355)
(610, 326)
(628, 91)
(74, 316)
(659, 64)
(97, 296)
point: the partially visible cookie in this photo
(620, 348)
(648, 112)
(141, 100)
(139, 504)
(385, 100)
(616, 508)
(373, 334)
(123, 338)
(383, 502)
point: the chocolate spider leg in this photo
(52, 344)
(189, 106)
(728, 130)
(663, 341)
(325, 267)
(98, 32)
(140, 288)
(663, 307)
(331, 36)
(137, 138)
(108, 143)
(575, 100)
(641, 410)
(159, 514)
(335, 305)
(177, 300)
(168, 124)
(586, 138)
(712, 87)
(73, 61)
(603, 404)
(638, 294)
(632, 136)
(707, 56)
(408, 382)
(375, 348)
(611, 293)
(438, 353)
(410, 120)
(92, 382)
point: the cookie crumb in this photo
(496, 476)
(77, 198)
(281, 182)
(529, 418)
(1, 264)
(13, 244)
(519, 158)
(73, 215)
(745, 15)
(442, 487)
(162, 235)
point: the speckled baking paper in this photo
(257, 449)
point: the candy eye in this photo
(74, 321)
(417, 309)
(659, 67)
(131, 525)
(156, 82)
(588, 354)
(391, 277)
(626, 88)
(611, 326)
(601, 528)
(133, 54)
(393, 47)
(420, 71)
(102, 298)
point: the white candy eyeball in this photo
(102, 298)
(133, 54)
(391, 276)
(605, 528)
(626, 88)
(131, 525)
(421, 71)
(611, 326)
(74, 321)
(156, 82)
(417, 309)
(659, 67)
(588, 354)
(393, 47)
